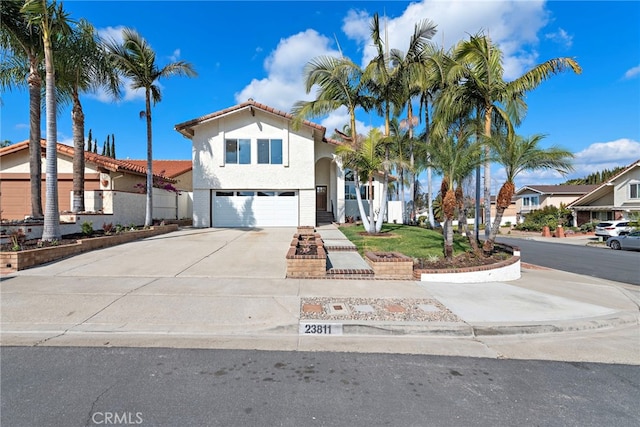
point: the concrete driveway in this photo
(211, 252)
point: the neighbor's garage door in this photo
(255, 208)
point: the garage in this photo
(258, 208)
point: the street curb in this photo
(609, 321)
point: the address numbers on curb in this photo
(320, 328)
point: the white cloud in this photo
(175, 56)
(284, 83)
(513, 25)
(561, 37)
(632, 72)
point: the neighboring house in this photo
(617, 198)
(533, 197)
(179, 170)
(252, 167)
(104, 178)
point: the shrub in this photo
(588, 226)
(87, 228)
(107, 227)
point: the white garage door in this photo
(255, 208)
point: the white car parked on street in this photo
(608, 229)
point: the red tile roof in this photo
(115, 165)
(185, 128)
(168, 168)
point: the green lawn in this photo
(415, 242)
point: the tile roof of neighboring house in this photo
(599, 189)
(115, 165)
(559, 189)
(168, 168)
(185, 128)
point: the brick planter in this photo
(24, 259)
(306, 265)
(390, 265)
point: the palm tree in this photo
(454, 156)
(54, 24)
(518, 154)
(23, 65)
(136, 60)
(407, 75)
(339, 84)
(365, 159)
(478, 68)
(83, 66)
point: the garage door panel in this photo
(261, 209)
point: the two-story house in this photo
(617, 198)
(533, 197)
(252, 167)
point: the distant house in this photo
(617, 198)
(253, 168)
(105, 178)
(533, 197)
(179, 170)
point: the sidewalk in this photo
(201, 295)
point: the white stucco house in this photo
(253, 168)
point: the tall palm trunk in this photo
(51, 229)
(149, 216)
(448, 208)
(462, 220)
(77, 118)
(503, 200)
(35, 135)
(487, 172)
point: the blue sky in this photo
(257, 50)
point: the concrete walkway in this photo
(225, 288)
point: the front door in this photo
(321, 197)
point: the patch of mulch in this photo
(385, 234)
(467, 259)
(68, 239)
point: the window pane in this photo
(348, 176)
(263, 151)
(286, 193)
(276, 151)
(246, 193)
(244, 148)
(267, 193)
(634, 191)
(231, 150)
(224, 193)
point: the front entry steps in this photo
(344, 261)
(324, 218)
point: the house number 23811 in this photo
(321, 329)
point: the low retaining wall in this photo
(21, 260)
(390, 265)
(506, 270)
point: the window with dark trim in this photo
(237, 151)
(270, 151)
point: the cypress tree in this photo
(89, 141)
(113, 145)
(104, 149)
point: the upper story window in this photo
(270, 151)
(530, 201)
(634, 191)
(238, 151)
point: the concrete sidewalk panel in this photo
(500, 302)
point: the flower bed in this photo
(508, 269)
(390, 265)
(21, 260)
(306, 256)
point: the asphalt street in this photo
(186, 387)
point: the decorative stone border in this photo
(390, 265)
(21, 260)
(506, 270)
